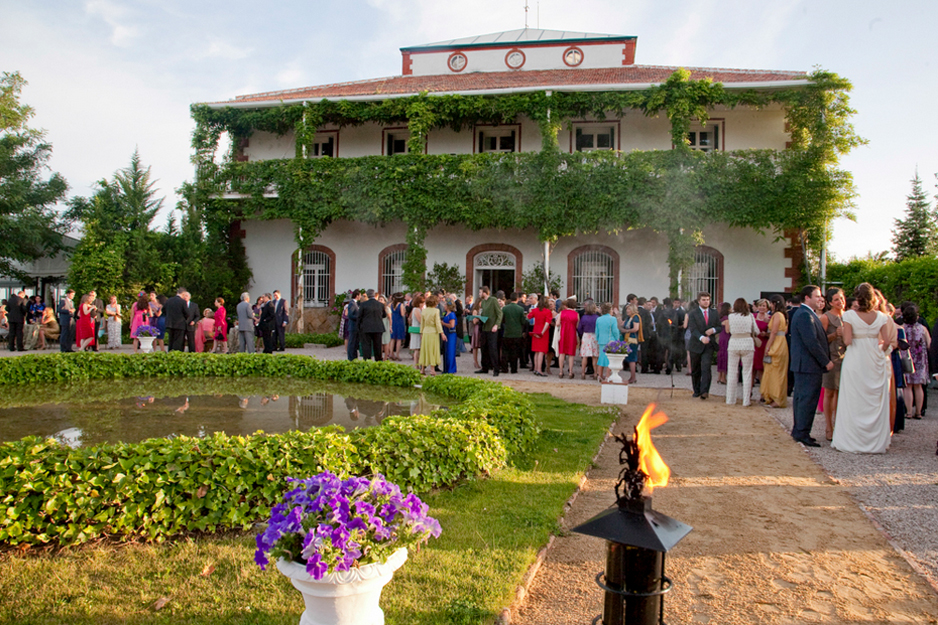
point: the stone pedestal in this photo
(615, 394)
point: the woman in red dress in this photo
(567, 344)
(84, 328)
(540, 333)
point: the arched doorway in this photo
(495, 265)
(706, 274)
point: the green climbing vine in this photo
(676, 193)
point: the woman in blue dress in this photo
(449, 329)
(632, 329)
(398, 325)
(607, 331)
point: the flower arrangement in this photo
(618, 347)
(333, 525)
(151, 331)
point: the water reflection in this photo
(140, 417)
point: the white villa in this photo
(735, 262)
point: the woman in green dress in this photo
(431, 331)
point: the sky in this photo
(107, 77)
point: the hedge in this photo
(163, 487)
(299, 340)
(914, 279)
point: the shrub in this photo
(299, 340)
(162, 487)
(914, 279)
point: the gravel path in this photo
(898, 489)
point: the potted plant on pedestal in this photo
(146, 335)
(616, 351)
(340, 541)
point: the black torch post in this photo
(637, 539)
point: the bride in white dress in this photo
(862, 424)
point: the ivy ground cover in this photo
(492, 529)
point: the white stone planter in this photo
(615, 363)
(344, 598)
(146, 343)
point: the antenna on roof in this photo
(525, 14)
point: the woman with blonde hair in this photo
(205, 332)
(415, 328)
(431, 333)
(114, 323)
(84, 328)
(774, 386)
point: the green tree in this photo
(532, 280)
(117, 237)
(914, 236)
(30, 228)
(446, 277)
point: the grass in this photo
(492, 530)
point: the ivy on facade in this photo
(676, 193)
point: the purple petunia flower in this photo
(334, 525)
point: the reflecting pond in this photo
(133, 410)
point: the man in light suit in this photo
(704, 325)
(283, 318)
(245, 325)
(810, 358)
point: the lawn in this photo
(492, 530)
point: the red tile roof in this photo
(483, 82)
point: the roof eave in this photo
(376, 97)
(501, 44)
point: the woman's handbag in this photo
(755, 335)
(908, 366)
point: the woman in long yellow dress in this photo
(774, 388)
(431, 330)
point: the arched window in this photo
(318, 275)
(391, 269)
(593, 273)
(706, 274)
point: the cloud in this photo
(116, 16)
(291, 75)
(218, 49)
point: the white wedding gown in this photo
(862, 424)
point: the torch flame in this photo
(649, 459)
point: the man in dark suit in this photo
(352, 347)
(678, 354)
(704, 325)
(16, 317)
(649, 347)
(283, 318)
(192, 318)
(268, 323)
(370, 325)
(66, 312)
(175, 312)
(662, 316)
(810, 358)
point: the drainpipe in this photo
(546, 268)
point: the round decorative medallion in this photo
(515, 59)
(457, 61)
(573, 56)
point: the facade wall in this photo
(537, 57)
(752, 262)
(741, 128)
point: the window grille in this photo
(705, 275)
(316, 271)
(593, 276)
(392, 273)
